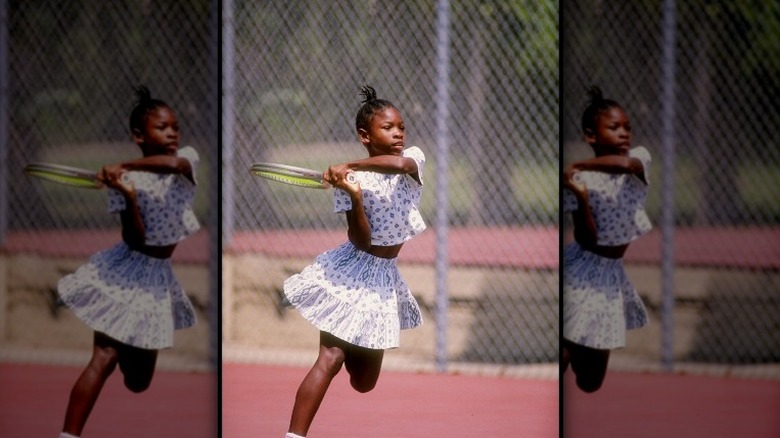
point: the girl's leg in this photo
(363, 366)
(588, 364)
(315, 384)
(137, 365)
(88, 386)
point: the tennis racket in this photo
(69, 176)
(292, 175)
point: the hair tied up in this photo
(595, 96)
(368, 93)
(142, 94)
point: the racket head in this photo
(66, 175)
(291, 175)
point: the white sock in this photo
(67, 435)
(292, 435)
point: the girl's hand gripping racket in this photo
(296, 176)
(70, 176)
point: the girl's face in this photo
(160, 134)
(385, 133)
(612, 135)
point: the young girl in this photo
(606, 196)
(354, 294)
(128, 294)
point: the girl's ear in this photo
(589, 136)
(138, 136)
(363, 136)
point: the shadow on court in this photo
(33, 399)
(257, 401)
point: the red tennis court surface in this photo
(33, 399)
(639, 405)
(257, 401)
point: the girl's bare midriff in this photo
(610, 252)
(385, 252)
(158, 252)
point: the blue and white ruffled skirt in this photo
(355, 296)
(599, 302)
(129, 296)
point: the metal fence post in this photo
(667, 226)
(442, 147)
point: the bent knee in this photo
(589, 385)
(137, 384)
(104, 361)
(362, 386)
(331, 360)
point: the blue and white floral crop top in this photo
(617, 202)
(391, 202)
(165, 202)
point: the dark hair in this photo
(597, 104)
(144, 104)
(371, 106)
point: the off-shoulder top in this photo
(617, 202)
(391, 202)
(165, 202)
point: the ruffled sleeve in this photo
(569, 201)
(116, 201)
(190, 154)
(643, 155)
(416, 154)
(341, 201)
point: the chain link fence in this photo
(292, 72)
(68, 92)
(713, 200)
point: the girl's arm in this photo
(390, 164)
(613, 164)
(358, 228)
(133, 230)
(585, 232)
(156, 164)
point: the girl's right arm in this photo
(358, 227)
(585, 232)
(133, 230)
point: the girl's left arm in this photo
(613, 164)
(156, 164)
(389, 164)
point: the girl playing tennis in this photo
(128, 294)
(606, 196)
(354, 294)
